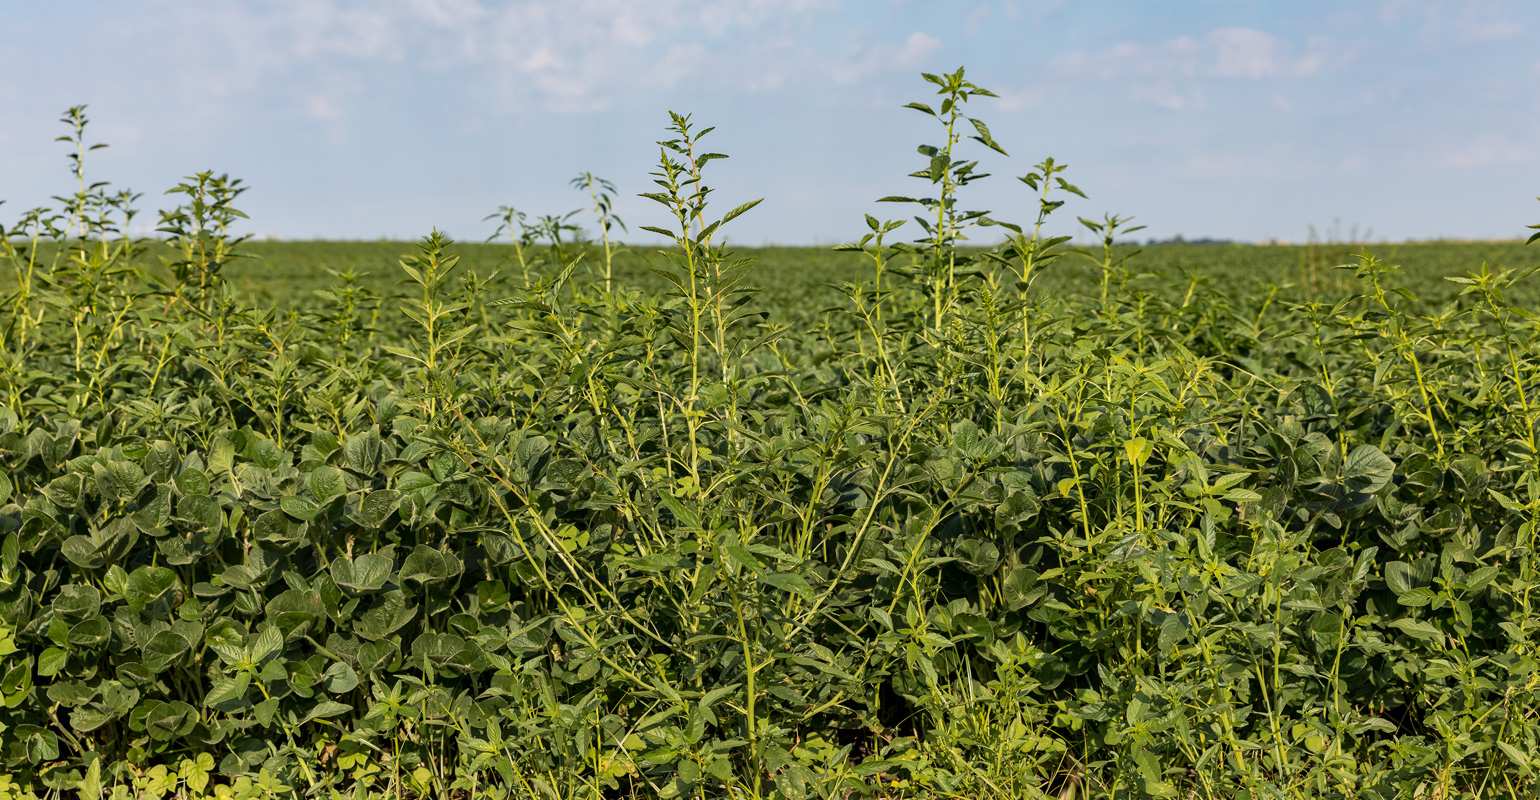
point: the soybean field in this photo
(959, 510)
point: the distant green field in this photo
(286, 272)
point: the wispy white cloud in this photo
(1163, 94)
(1021, 99)
(1037, 10)
(1277, 163)
(328, 100)
(1353, 162)
(1492, 31)
(680, 62)
(975, 20)
(1460, 22)
(1250, 53)
(447, 13)
(1244, 53)
(554, 55)
(1486, 151)
(884, 58)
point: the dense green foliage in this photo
(916, 521)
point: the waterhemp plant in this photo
(519, 528)
(601, 193)
(945, 224)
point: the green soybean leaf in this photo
(365, 573)
(168, 721)
(377, 506)
(64, 491)
(163, 650)
(1418, 628)
(1514, 754)
(363, 452)
(436, 650)
(424, 566)
(148, 584)
(51, 662)
(301, 508)
(1020, 588)
(339, 678)
(90, 633)
(200, 511)
(77, 601)
(377, 655)
(192, 482)
(265, 710)
(386, 616)
(228, 694)
(1367, 469)
(17, 682)
(160, 461)
(82, 551)
(279, 529)
(267, 644)
(327, 483)
(71, 694)
(978, 557)
(120, 480)
(42, 746)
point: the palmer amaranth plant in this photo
(563, 527)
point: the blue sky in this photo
(1412, 119)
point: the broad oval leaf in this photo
(339, 678)
(389, 614)
(228, 694)
(168, 721)
(90, 633)
(327, 483)
(363, 452)
(277, 528)
(377, 506)
(365, 573)
(77, 601)
(1367, 470)
(164, 650)
(84, 552)
(148, 584)
(300, 508)
(64, 491)
(201, 512)
(325, 710)
(192, 482)
(424, 566)
(71, 694)
(1020, 588)
(120, 480)
(977, 557)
